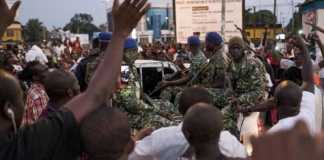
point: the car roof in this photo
(155, 64)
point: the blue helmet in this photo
(105, 36)
(193, 41)
(214, 38)
(130, 43)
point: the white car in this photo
(151, 73)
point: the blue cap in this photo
(105, 36)
(130, 43)
(193, 41)
(214, 38)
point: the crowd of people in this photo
(234, 101)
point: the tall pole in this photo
(293, 15)
(275, 10)
(223, 18)
(254, 22)
(174, 19)
(275, 7)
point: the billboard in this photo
(201, 16)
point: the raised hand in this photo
(7, 15)
(127, 15)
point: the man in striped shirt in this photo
(37, 98)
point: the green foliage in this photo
(34, 31)
(81, 23)
(262, 17)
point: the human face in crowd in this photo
(130, 56)
(194, 49)
(236, 52)
(290, 44)
(211, 49)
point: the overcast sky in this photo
(58, 12)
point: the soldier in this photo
(129, 98)
(87, 66)
(198, 59)
(248, 79)
(213, 75)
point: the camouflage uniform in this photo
(249, 85)
(140, 114)
(93, 64)
(208, 74)
(196, 62)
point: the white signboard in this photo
(202, 16)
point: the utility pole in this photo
(254, 21)
(275, 9)
(223, 18)
(174, 19)
(293, 15)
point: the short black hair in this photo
(193, 95)
(105, 133)
(57, 82)
(203, 123)
(293, 74)
(30, 71)
(288, 97)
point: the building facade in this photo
(13, 34)
(156, 25)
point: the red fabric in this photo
(272, 60)
(36, 102)
(274, 116)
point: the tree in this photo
(34, 31)
(81, 23)
(262, 17)
(295, 24)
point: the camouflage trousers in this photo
(230, 120)
(162, 114)
(170, 93)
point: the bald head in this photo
(106, 134)
(202, 124)
(10, 92)
(60, 84)
(288, 96)
(193, 95)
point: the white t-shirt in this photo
(319, 109)
(36, 54)
(286, 63)
(306, 114)
(170, 144)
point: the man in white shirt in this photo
(295, 103)
(36, 54)
(202, 127)
(170, 143)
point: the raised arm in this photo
(102, 84)
(307, 70)
(319, 43)
(244, 35)
(7, 15)
(315, 27)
